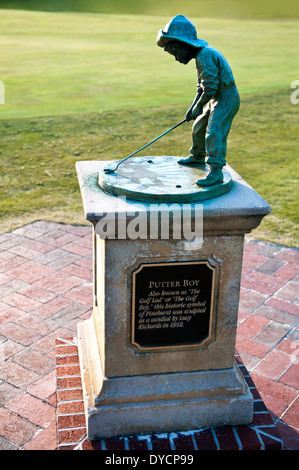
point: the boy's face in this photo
(182, 52)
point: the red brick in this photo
(52, 307)
(34, 323)
(226, 438)
(16, 374)
(21, 302)
(270, 443)
(45, 387)
(38, 246)
(289, 347)
(288, 292)
(67, 447)
(115, 444)
(252, 347)
(86, 240)
(70, 407)
(65, 341)
(160, 442)
(78, 230)
(5, 255)
(258, 286)
(183, 442)
(66, 284)
(70, 436)
(248, 438)
(85, 263)
(24, 275)
(274, 364)
(289, 436)
(16, 429)
(70, 394)
(91, 445)
(252, 260)
(135, 443)
(64, 349)
(291, 377)
(262, 419)
(252, 325)
(205, 440)
(62, 239)
(49, 281)
(11, 262)
(291, 416)
(74, 270)
(275, 407)
(45, 440)
(4, 278)
(270, 266)
(283, 305)
(9, 348)
(27, 232)
(272, 334)
(81, 295)
(287, 272)
(64, 360)
(274, 389)
(71, 421)
(35, 361)
(10, 314)
(277, 315)
(69, 382)
(37, 293)
(251, 301)
(271, 280)
(77, 249)
(69, 370)
(251, 247)
(33, 409)
(37, 268)
(27, 253)
(19, 334)
(288, 254)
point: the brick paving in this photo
(46, 289)
(261, 434)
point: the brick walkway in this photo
(46, 289)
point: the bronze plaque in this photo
(172, 304)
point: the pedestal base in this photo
(261, 434)
(158, 402)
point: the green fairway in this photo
(84, 86)
(59, 63)
(204, 8)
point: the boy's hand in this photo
(196, 111)
(189, 116)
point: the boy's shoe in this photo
(191, 160)
(215, 176)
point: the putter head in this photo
(108, 171)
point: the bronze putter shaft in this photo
(110, 170)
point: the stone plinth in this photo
(184, 376)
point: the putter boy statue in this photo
(217, 99)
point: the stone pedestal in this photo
(157, 355)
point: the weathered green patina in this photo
(217, 99)
(160, 179)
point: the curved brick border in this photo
(262, 434)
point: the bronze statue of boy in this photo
(217, 99)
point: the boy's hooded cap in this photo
(180, 29)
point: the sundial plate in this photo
(161, 178)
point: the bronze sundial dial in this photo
(161, 179)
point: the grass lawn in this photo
(90, 86)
